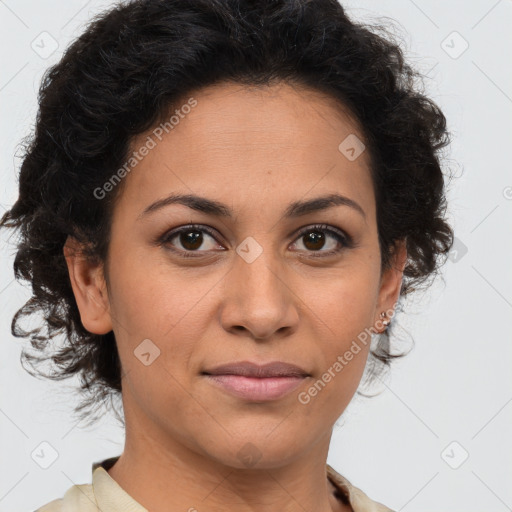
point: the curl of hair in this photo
(125, 73)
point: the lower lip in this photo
(253, 388)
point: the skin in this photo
(256, 150)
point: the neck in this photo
(162, 474)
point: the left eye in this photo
(315, 238)
(191, 238)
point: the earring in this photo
(384, 322)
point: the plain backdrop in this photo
(435, 438)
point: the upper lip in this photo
(248, 369)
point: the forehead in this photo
(238, 142)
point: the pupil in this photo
(191, 239)
(316, 238)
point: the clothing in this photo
(106, 495)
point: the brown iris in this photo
(191, 240)
(317, 239)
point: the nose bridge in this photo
(256, 267)
(259, 299)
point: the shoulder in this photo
(52, 506)
(79, 498)
(359, 501)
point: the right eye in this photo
(190, 238)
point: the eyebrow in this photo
(294, 210)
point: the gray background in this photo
(449, 398)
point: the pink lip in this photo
(252, 381)
(248, 369)
(254, 388)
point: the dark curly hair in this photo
(124, 74)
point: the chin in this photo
(255, 450)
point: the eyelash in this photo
(345, 240)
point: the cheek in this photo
(152, 300)
(159, 316)
(345, 316)
(345, 351)
(346, 305)
(168, 308)
(344, 354)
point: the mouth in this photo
(254, 388)
(254, 382)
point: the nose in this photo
(258, 299)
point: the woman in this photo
(221, 207)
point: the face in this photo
(261, 280)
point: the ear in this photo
(89, 288)
(391, 280)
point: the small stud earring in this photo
(384, 322)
